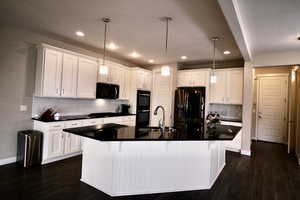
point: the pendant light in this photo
(213, 77)
(103, 67)
(165, 69)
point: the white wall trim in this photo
(8, 160)
(272, 75)
(233, 149)
(246, 153)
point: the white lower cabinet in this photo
(58, 145)
(72, 142)
(56, 141)
(234, 145)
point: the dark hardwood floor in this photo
(269, 174)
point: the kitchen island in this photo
(121, 160)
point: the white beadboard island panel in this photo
(145, 167)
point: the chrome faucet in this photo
(161, 124)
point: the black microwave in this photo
(107, 91)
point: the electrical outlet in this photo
(23, 108)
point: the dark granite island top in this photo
(121, 160)
(116, 132)
(81, 117)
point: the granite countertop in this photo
(89, 116)
(116, 132)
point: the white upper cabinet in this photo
(144, 79)
(51, 77)
(201, 78)
(218, 89)
(229, 87)
(193, 78)
(62, 73)
(117, 74)
(235, 86)
(184, 79)
(87, 78)
(148, 80)
(69, 75)
(113, 73)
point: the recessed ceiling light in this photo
(80, 33)
(112, 46)
(227, 52)
(151, 61)
(135, 54)
(183, 57)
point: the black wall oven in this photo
(143, 108)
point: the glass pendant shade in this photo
(103, 70)
(165, 70)
(213, 78)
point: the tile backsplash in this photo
(75, 106)
(227, 110)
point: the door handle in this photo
(260, 115)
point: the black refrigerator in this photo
(189, 111)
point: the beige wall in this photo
(297, 132)
(17, 76)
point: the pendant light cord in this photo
(167, 35)
(104, 43)
(106, 21)
(214, 56)
(214, 39)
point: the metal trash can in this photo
(30, 147)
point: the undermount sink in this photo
(156, 129)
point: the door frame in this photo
(258, 77)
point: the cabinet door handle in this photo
(63, 91)
(56, 90)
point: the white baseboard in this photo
(216, 177)
(233, 149)
(246, 153)
(60, 158)
(8, 160)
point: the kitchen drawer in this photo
(112, 120)
(56, 125)
(73, 124)
(92, 122)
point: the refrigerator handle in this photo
(202, 103)
(25, 151)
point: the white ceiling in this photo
(270, 25)
(136, 25)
